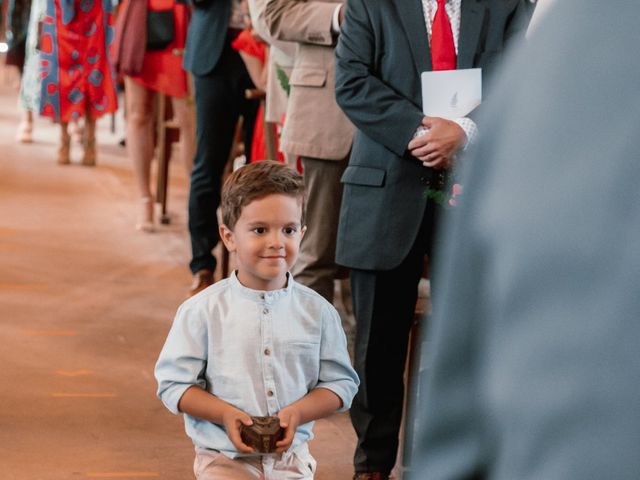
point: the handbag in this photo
(130, 35)
(160, 29)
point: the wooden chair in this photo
(167, 133)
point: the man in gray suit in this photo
(388, 212)
(536, 372)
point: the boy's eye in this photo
(259, 230)
(290, 230)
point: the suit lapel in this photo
(471, 18)
(412, 18)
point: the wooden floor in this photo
(85, 305)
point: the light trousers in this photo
(291, 465)
(316, 265)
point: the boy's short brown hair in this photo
(256, 181)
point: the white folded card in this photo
(451, 93)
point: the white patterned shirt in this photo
(453, 7)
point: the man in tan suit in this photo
(315, 128)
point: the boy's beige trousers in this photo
(296, 464)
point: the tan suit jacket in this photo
(315, 126)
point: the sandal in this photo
(145, 219)
(25, 129)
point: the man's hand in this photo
(289, 420)
(341, 14)
(437, 147)
(233, 419)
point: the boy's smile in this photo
(266, 239)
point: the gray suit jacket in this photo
(315, 125)
(536, 371)
(382, 49)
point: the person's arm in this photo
(257, 12)
(256, 70)
(301, 21)
(199, 403)
(337, 381)
(318, 403)
(445, 138)
(373, 106)
(179, 372)
(376, 108)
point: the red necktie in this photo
(443, 51)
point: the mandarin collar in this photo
(261, 296)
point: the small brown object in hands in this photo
(263, 434)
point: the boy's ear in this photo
(226, 234)
(303, 230)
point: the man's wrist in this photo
(470, 130)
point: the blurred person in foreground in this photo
(536, 367)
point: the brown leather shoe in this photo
(201, 280)
(371, 476)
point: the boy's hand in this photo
(232, 419)
(289, 420)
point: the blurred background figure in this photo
(220, 79)
(536, 366)
(315, 129)
(161, 72)
(77, 78)
(279, 65)
(30, 81)
(15, 29)
(255, 53)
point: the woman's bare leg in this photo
(89, 140)
(64, 150)
(139, 101)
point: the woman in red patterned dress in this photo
(161, 72)
(77, 79)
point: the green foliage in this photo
(283, 79)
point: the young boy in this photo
(256, 343)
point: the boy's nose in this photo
(276, 240)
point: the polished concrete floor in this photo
(85, 305)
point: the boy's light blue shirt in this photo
(257, 350)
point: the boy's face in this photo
(266, 239)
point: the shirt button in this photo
(265, 311)
(269, 393)
(262, 296)
(267, 351)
